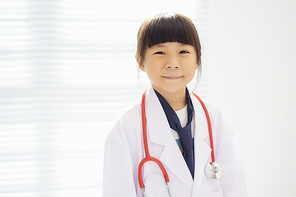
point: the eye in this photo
(184, 52)
(159, 52)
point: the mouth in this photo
(172, 77)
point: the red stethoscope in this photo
(212, 169)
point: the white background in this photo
(55, 106)
(252, 70)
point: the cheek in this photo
(191, 70)
(192, 73)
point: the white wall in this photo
(252, 79)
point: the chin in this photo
(173, 89)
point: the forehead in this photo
(170, 44)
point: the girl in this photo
(169, 51)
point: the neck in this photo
(177, 100)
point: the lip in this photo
(172, 77)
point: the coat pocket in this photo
(216, 194)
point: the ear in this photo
(142, 67)
(196, 66)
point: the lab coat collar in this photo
(159, 132)
(202, 149)
(158, 126)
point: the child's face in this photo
(170, 66)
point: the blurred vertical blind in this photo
(67, 69)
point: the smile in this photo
(172, 77)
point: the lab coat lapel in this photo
(202, 148)
(160, 133)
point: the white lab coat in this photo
(124, 151)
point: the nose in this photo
(172, 63)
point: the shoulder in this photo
(210, 107)
(125, 125)
(131, 113)
(215, 114)
(221, 128)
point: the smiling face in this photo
(170, 66)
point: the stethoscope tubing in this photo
(148, 157)
(209, 126)
(146, 148)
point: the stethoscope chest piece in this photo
(213, 170)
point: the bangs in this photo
(169, 29)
